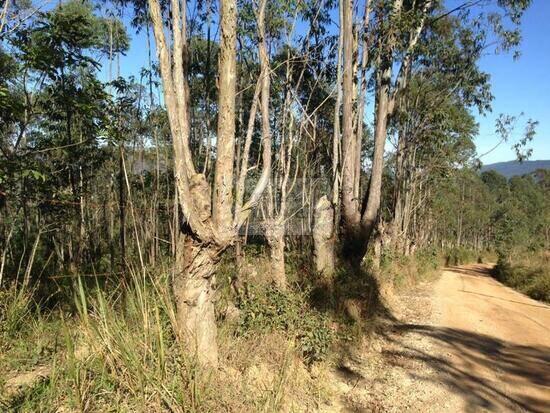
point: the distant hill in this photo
(515, 168)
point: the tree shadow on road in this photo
(472, 270)
(487, 272)
(517, 365)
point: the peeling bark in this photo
(212, 218)
(225, 150)
(323, 237)
(193, 287)
(275, 233)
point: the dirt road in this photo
(496, 342)
(464, 344)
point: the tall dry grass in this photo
(118, 352)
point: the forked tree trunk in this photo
(193, 287)
(372, 207)
(359, 222)
(212, 221)
(275, 222)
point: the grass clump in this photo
(530, 275)
(15, 311)
(406, 271)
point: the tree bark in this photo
(336, 146)
(193, 287)
(352, 237)
(362, 93)
(323, 237)
(275, 222)
(211, 225)
(359, 222)
(350, 204)
(275, 233)
(225, 155)
(370, 215)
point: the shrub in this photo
(427, 260)
(267, 309)
(460, 255)
(406, 271)
(530, 275)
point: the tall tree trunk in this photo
(358, 224)
(222, 213)
(121, 207)
(211, 222)
(372, 206)
(350, 204)
(275, 223)
(361, 96)
(336, 147)
(196, 250)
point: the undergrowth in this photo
(462, 255)
(266, 309)
(113, 348)
(117, 352)
(406, 271)
(529, 274)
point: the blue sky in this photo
(521, 86)
(518, 85)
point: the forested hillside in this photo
(516, 168)
(219, 230)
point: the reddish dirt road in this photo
(465, 343)
(494, 342)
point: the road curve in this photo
(493, 342)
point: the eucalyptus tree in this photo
(293, 105)
(433, 125)
(212, 218)
(395, 47)
(395, 35)
(520, 221)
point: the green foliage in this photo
(496, 183)
(267, 309)
(521, 217)
(460, 256)
(427, 260)
(111, 37)
(531, 275)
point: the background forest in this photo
(246, 199)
